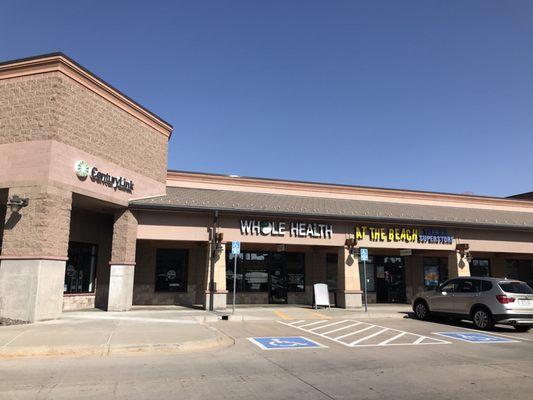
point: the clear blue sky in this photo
(427, 95)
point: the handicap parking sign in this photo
(284, 342)
(476, 337)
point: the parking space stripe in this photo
(340, 329)
(296, 322)
(419, 340)
(369, 336)
(281, 314)
(325, 326)
(313, 323)
(399, 335)
(393, 341)
(353, 333)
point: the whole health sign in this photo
(280, 228)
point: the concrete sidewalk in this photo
(163, 329)
(98, 333)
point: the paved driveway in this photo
(457, 369)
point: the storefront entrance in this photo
(277, 284)
(264, 272)
(390, 279)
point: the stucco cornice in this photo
(223, 181)
(58, 62)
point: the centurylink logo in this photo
(82, 169)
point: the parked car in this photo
(484, 301)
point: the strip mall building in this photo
(90, 216)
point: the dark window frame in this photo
(489, 266)
(185, 274)
(95, 261)
(242, 262)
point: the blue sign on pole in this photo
(284, 342)
(475, 337)
(235, 247)
(363, 254)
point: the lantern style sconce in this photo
(15, 203)
(350, 244)
(464, 250)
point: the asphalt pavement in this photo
(354, 358)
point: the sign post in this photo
(236, 251)
(363, 256)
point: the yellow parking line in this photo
(281, 314)
(317, 314)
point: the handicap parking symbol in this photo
(284, 342)
(475, 337)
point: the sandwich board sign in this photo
(321, 295)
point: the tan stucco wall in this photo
(42, 228)
(52, 162)
(52, 106)
(190, 226)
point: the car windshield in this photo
(515, 287)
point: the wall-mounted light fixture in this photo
(218, 242)
(15, 203)
(464, 250)
(350, 244)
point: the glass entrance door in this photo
(277, 288)
(390, 279)
(80, 271)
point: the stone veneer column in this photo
(349, 293)
(34, 254)
(457, 265)
(216, 297)
(122, 264)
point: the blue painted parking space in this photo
(476, 337)
(284, 342)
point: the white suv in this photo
(484, 301)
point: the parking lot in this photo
(322, 356)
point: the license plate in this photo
(525, 302)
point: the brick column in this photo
(216, 295)
(34, 254)
(457, 265)
(349, 294)
(122, 264)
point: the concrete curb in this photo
(219, 342)
(355, 315)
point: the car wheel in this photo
(482, 319)
(521, 328)
(421, 310)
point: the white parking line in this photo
(402, 338)
(340, 329)
(353, 333)
(368, 337)
(399, 335)
(313, 323)
(325, 326)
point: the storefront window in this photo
(435, 271)
(480, 267)
(370, 276)
(171, 270)
(295, 267)
(331, 271)
(253, 270)
(81, 268)
(520, 269)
